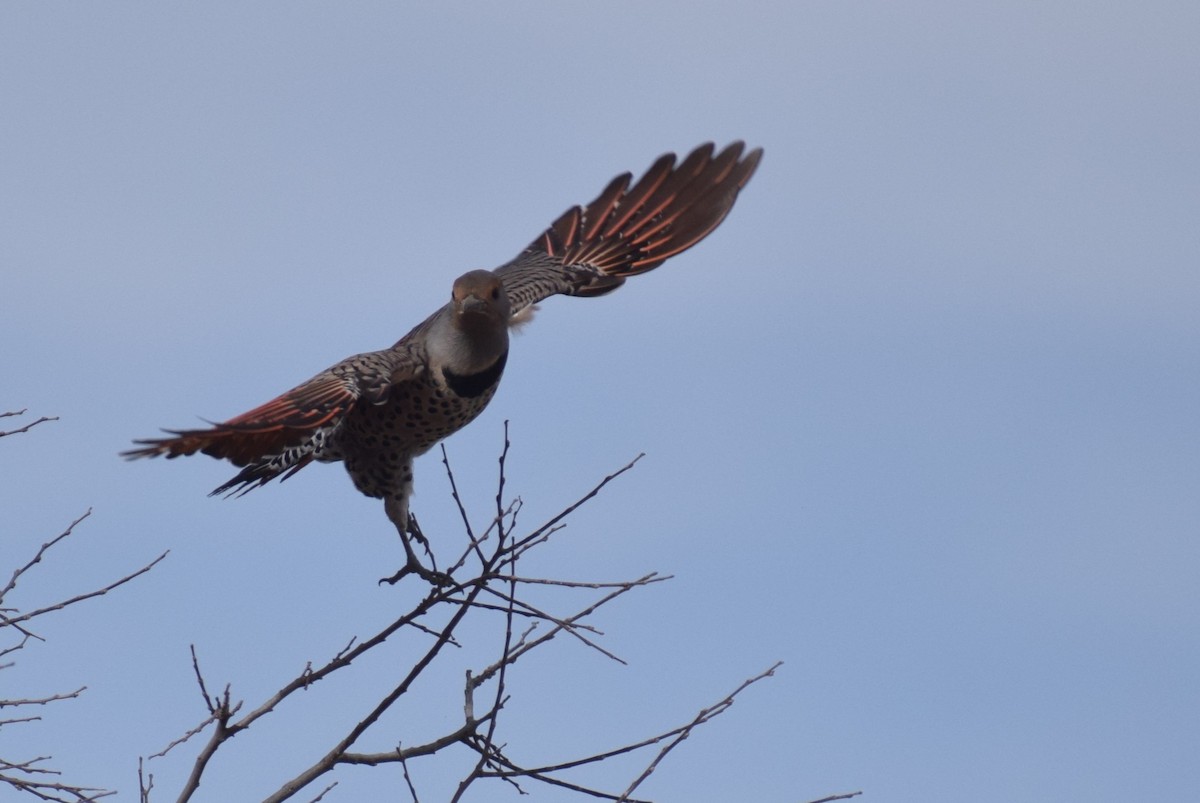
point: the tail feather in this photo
(263, 456)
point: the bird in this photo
(377, 411)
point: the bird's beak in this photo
(471, 304)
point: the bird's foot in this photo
(413, 565)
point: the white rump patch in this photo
(519, 319)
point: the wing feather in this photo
(283, 434)
(589, 250)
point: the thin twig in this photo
(145, 782)
(81, 597)
(37, 558)
(412, 790)
(28, 426)
(506, 652)
(704, 716)
(44, 700)
(493, 588)
(331, 758)
(324, 792)
(576, 504)
(462, 510)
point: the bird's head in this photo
(478, 300)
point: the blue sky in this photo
(920, 417)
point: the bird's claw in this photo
(431, 576)
(413, 565)
(414, 529)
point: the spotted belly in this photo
(378, 442)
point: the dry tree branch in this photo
(572, 625)
(331, 758)
(30, 776)
(831, 798)
(221, 710)
(408, 781)
(490, 585)
(58, 606)
(567, 625)
(676, 735)
(462, 510)
(51, 791)
(28, 426)
(506, 651)
(20, 645)
(475, 680)
(310, 676)
(551, 526)
(514, 771)
(43, 700)
(213, 704)
(402, 755)
(324, 792)
(37, 558)
(704, 716)
(145, 783)
(12, 621)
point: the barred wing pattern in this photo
(627, 230)
(285, 434)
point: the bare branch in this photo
(832, 798)
(32, 776)
(225, 709)
(570, 625)
(462, 510)
(521, 544)
(540, 775)
(324, 792)
(493, 587)
(28, 426)
(704, 716)
(192, 732)
(145, 783)
(37, 558)
(44, 700)
(412, 790)
(81, 597)
(331, 758)
(505, 653)
(456, 736)
(211, 702)
(500, 484)
(56, 792)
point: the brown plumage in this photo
(378, 410)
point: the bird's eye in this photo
(495, 294)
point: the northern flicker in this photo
(376, 411)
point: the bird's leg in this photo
(397, 511)
(414, 529)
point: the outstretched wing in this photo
(284, 434)
(627, 230)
